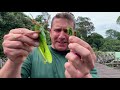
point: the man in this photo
(72, 57)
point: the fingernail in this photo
(35, 35)
(36, 44)
(70, 45)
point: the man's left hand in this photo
(81, 59)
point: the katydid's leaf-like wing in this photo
(69, 31)
(43, 47)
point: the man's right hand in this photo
(18, 43)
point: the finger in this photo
(12, 53)
(74, 39)
(88, 76)
(16, 55)
(22, 38)
(67, 74)
(71, 70)
(76, 61)
(17, 45)
(27, 32)
(34, 34)
(78, 49)
(84, 53)
(20, 31)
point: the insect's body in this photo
(43, 47)
(70, 31)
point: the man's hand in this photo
(81, 59)
(19, 43)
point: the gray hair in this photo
(64, 15)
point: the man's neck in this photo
(57, 51)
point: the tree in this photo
(84, 26)
(95, 40)
(112, 34)
(118, 20)
(111, 45)
(11, 20)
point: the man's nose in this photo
(62, 34)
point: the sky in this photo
(102, 20)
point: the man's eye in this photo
(57, 30)
(65, 30)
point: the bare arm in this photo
(10, 70)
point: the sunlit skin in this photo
(58, 34)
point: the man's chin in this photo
(61, 48)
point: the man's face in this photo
(58, 34)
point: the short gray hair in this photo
(64, 15)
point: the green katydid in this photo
(70, 31)
(43, 47)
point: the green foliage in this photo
(11, 20)
(39, 18)
(111, 45)
(95, 40)
(84, 26)
(112, 34)
(47, 33)
(118, 20)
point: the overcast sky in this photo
(101, 20)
